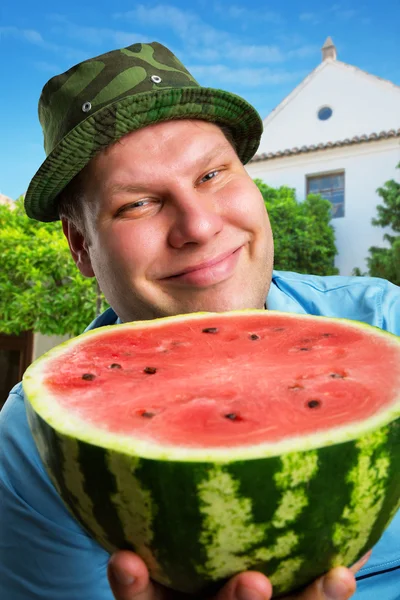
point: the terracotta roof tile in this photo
(357, 139)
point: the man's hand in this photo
(129, 580)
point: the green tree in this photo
(304, 239)
(40, 286)
(385, 262)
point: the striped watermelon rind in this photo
(292, 509)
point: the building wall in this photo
(43, 343)
(362, 104)
(367, 166)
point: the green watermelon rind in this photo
(61, 420)
(197, 524)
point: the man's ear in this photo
(78, 247)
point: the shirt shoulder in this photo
(369, 299)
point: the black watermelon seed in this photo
(88, 376)
(314, 403)
(336, 376)
(254, 336)
(305, 349)
(233, 417)
(210, 330)
(147, 414)
(327, 335)
(115, 366)
(150, 370)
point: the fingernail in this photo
(334, 589)
(122, 577)
(245, 593)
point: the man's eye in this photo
(134, 206)
(209, 176)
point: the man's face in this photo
(174, 224)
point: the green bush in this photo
(385, 262)
(304, 239)
(40, 287)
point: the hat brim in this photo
(131, 113)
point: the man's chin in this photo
(219, 306)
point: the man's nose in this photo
(197, 220)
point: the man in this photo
(145, 169)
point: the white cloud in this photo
(336, 11)
(95, 36)
(346, 14)
(253, 53)
(309, 17)
(185, 24)
(47, 67)
(34, 37)
(30, 35)
(289, 38)
(303, 51)
(205, 42)
(208, 54)
(240, 12)
(63, 29)
(244, 77)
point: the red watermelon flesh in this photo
(220, 380)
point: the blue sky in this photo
(260, 49)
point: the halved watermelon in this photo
(219, 442)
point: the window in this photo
(325, 113)
(331, 187)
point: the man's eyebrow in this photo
(214, 153)
(200, 163)
(132, 189)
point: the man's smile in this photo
(208, 272)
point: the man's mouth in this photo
(210, 271)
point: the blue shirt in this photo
(44, 552)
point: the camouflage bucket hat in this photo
(96, 102)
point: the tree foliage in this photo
(385, 262)
(303, 237)
(40, 286)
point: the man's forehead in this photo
(167, 129)
(186, 141)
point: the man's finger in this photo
(246, 586)
(360, 563)
(338, 584)
(129, 578)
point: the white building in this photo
(337, 133)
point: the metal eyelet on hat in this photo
(86, 106)
(156, 79)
